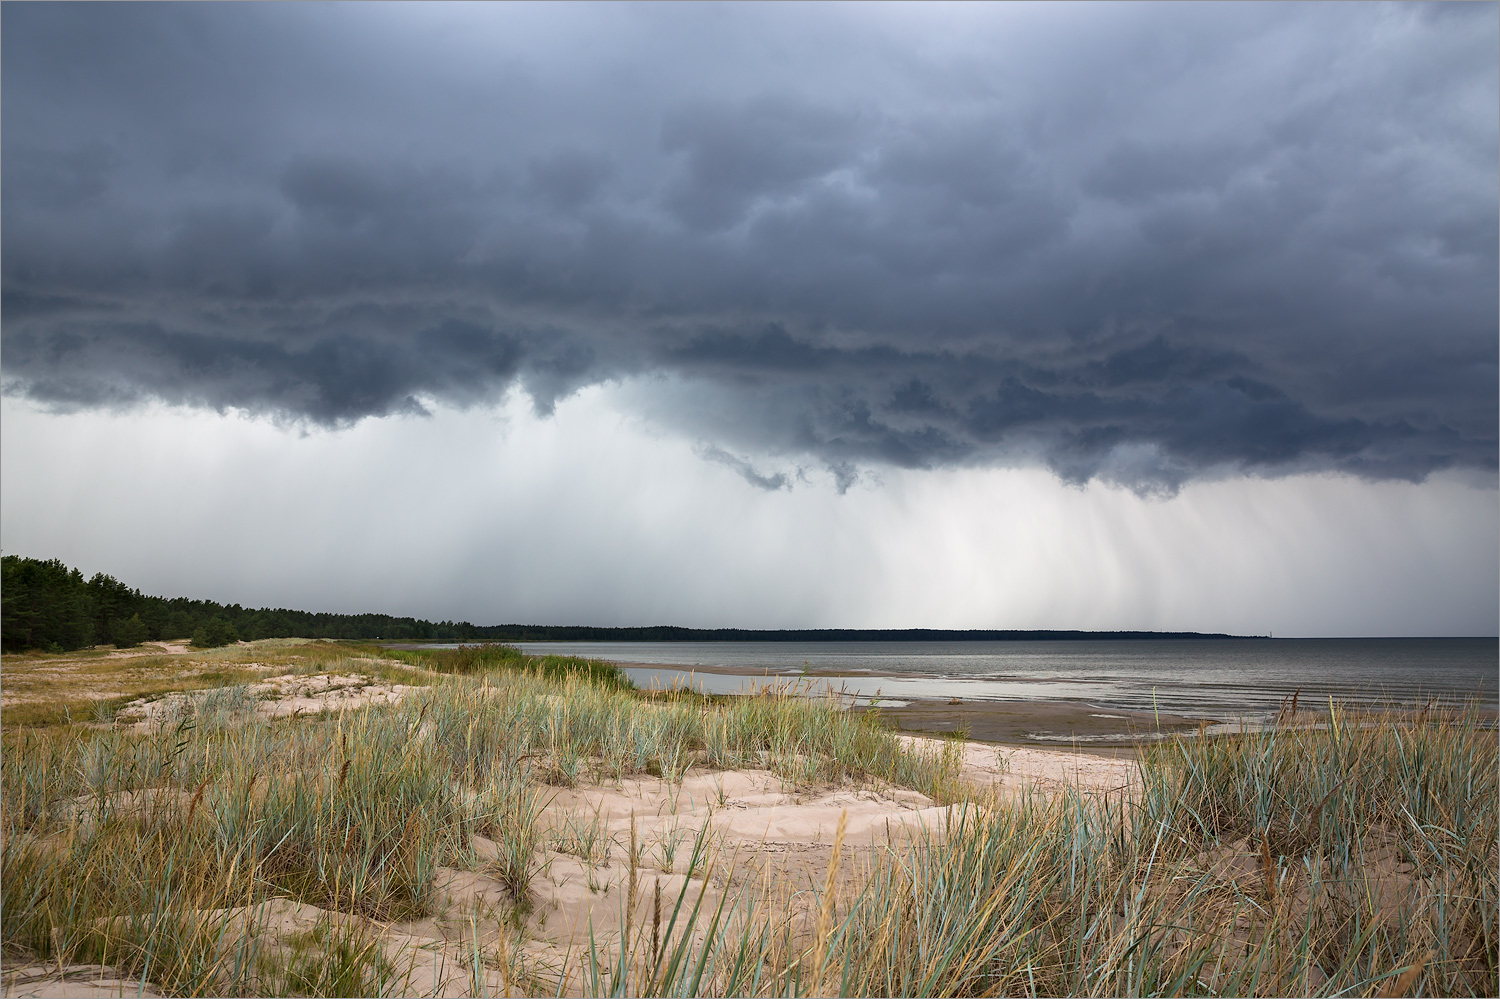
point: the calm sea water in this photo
(1214, 678)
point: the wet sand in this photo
(1039, 724)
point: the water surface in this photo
(1212, 678)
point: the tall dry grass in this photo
(140, 849)
(1354, 857)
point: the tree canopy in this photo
(48, 605)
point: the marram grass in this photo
(1147, 895)
(1356, 857)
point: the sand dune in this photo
(754, 831)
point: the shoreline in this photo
(1172, 681)
(1039, 723)
(1042, 724)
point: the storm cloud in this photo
(1141, 244)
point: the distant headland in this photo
(50, 605)
(669, 633)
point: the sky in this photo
(1170, 317)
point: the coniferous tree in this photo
(44, 605)
(131, 632)
(215, 632)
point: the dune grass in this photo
(1353, 857)
(468, 660)
(120, 846)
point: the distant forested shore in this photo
(51, 606)
(669, 633)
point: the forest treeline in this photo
(47, 605)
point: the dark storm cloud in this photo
(1135, 243)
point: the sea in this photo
(1221, 679)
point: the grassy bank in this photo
(1356, 858)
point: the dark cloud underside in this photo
(1139, 243)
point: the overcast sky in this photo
(883, 316)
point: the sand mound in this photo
(276, 697)
(1020, 770)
